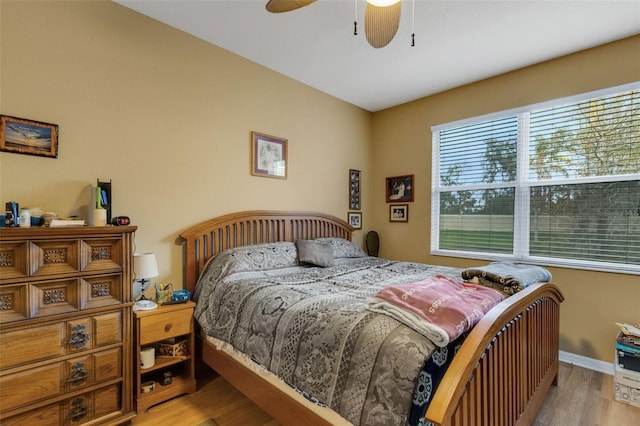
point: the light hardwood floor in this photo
(583, 398)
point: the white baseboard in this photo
(585, 362)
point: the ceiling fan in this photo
(381, 18)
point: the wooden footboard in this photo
(503, 371)
(500, 376)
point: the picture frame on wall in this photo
(268, 156)
(24, 136)
(354, 189)
(355, 219)
(400, 189)
(399, 213)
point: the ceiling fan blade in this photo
(279, 6)
(381, 23)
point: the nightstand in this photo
(167, 323)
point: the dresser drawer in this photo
(93, 332)
(24, 345)
(44, 298)
(96, 407)
(54, 297)
(51, 415)
(101, 290)
(32, 385)
(101, 254)
(54, 257)
(159, 327)
(14, 260)
(13, 303)
(92, 369)
(36, 384)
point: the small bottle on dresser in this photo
(25, 218)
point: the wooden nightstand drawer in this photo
(170, 324)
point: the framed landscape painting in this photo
(24, 136)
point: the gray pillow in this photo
(342, 248)
(315, 252)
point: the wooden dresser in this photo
(65, 325)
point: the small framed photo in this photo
(268, 156)
(399, 213)
(355, 220)
(354, 189)
(399, 189)
(30, 137)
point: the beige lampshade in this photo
(145, 266)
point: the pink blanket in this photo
(438, 307)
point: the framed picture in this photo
(30, 137)
(399, 213)
(355, 220)
(399, 188)
(354, 189)
(268, 156)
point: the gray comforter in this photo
(310, 326)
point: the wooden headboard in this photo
(207, 239)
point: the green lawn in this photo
(560, 245)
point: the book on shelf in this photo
(623, 339)
(67, 222)
(629, 330)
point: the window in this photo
(555, 183)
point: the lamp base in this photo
(145, 305)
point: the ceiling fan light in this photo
(382, 3)
(381, 24)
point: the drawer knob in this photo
(79, 337)
(78, 373)
(78, 410)
(168, 327)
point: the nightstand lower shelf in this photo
(179, 386)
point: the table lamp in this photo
(145, 267)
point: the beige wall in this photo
(167, 117)
(402, 145)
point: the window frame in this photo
(522, 186)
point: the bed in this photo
(499, 376)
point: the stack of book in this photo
(67, 221)
(627, 365)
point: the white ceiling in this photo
(457, 41)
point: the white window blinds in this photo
(557, 184)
